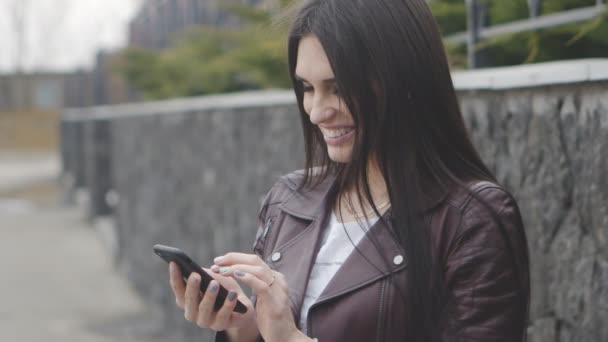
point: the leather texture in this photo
(361, 302)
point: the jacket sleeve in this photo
(487, 276)
(258, 244)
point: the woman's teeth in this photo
(335, 133)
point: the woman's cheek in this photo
(307, 103)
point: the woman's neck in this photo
(350, 207)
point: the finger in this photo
(192, 297)
(228, 282)
(177, 284)
(222, 318)
(263, 273)
(206, 307)
(239, 258)
(260, 286)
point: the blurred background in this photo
(125, 123)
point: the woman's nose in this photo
(320, 111)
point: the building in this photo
(43, 91)
(153, 27)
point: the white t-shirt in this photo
(338, 241)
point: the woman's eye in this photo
(306, 88)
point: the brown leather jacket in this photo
(360, 302)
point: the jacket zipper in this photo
(309, 322)
(379, 336)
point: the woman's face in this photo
(322, 100)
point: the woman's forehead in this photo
(312, 63)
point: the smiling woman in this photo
(395, 230)
(322, 100)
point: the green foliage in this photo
(457, 55)
(207, 60)
(581, 40)
(562, 5)
(500, 12)
(451, 15)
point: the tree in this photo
(207, 60)
(23, 28)
(17, 12)
(17, 17)
(573, 41)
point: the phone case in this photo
(187, 266)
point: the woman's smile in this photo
(337, 136)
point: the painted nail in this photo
(218, 260)
(213, 288)
(193, 279)
(240, 273)
(224, 269)
(231, 296)
(215, 268)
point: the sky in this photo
(63, 35)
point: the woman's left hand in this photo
(273, 310)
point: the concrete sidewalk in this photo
(20, 170)
(58, 281)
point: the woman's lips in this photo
(338, 136)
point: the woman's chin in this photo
(340, 156)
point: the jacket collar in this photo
(309, 203)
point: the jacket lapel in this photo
(366, 263)
(295, 253)
(376, 256)
(296, 260)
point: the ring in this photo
(272, 281)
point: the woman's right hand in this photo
(201, 310)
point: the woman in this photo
(395, 230)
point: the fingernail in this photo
(213, 287)
(171, 268)
(240, 273)
(231, 296)
(224, 269)
(215, 268)
(193, 279)
(218, 260)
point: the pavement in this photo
(59, 282)
(18, 170)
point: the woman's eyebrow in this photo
(327, 80)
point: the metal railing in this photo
(477, 32)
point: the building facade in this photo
(153, 27)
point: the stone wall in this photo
(188, 173)
(195, 181)
(549, 146)
(191, 173)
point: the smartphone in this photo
(187, 266)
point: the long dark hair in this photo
(392, 73)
